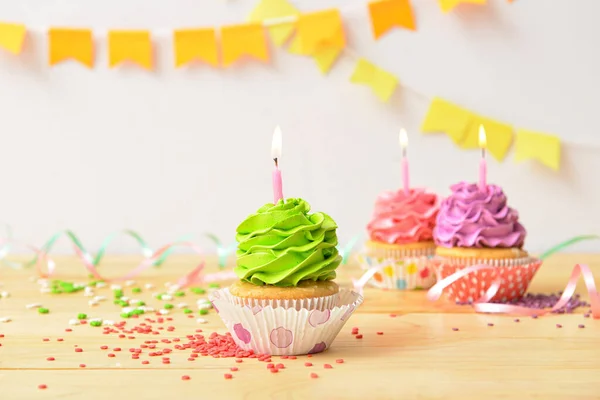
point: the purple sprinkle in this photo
(543, 301)
(454, 329)
(517, 320)
(534, 316)
(586, 315)
(581, 326)
(490, 324)
(558, 325)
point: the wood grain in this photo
(418, 356)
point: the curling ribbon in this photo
(222, 251)
(347, 249)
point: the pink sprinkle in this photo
(50, 359)
(517, 320)
(234, 369)
(292, 357)
(327, 366)
(228, 376)
(380, 333)
(392, 315)
(78, 350)
(309, 355)
(111, 355)
(308, 364)
(270, 366)
(59, 339)
(45, 339)
(185, 378)
(339, 361)
(104, 347)
(455, 329)
(359, 336)
(490, 324)
(145, 362)
(581, 326)
(81, 365)
(274, 370)
(68, 330)
(558, 325)
(280, 366)
(42, 386)
(313, 375)
(239, 360)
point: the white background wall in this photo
(173, 152)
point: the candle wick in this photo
(276, 162)
(482, 152)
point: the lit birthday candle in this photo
(276, 154)
(482, 162)
(404, 162)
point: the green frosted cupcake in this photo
(287, 258)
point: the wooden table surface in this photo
(419, 355)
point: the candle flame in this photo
(482, 137)
(403, 137)
(276, 144)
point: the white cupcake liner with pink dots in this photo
(281, 330)
(401, 273)
(314, 303)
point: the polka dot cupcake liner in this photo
(401, 273)
(284, 331)
(515, 274)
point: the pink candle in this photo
(404, 162)
(482, 162)
(276, 154)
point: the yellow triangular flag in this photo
(134, 46)
(270, 9)
(243, 40)
(66, 43)
(499, 136)
(449, 5)
(320, 29)
(325, 57)
(381, 82)
(12, 37)
(531, 145)
(448, 118)
(195, 44)
(386, 14)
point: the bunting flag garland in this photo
(12, 37)
(449, 5)
(386, 14)
(447, 118)
(269, 9)
(382, 83)
(195, 44)
(134, 46)
(542, 147)
(320, 29)
(243, 40)
(65, 44)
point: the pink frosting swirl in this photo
(470, 217)
(401, 218)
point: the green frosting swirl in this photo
(282, 244)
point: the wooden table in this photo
(418, 356)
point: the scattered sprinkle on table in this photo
(308, 364)
(455, 329)
(42, 387)
(517, 320)
(359, 336)
(228, 376)
(581, 326)
(313, 375)
(490, 324)
(339, 361)
(185, 378)
(327, 366)
(43, 310)
(558, 325)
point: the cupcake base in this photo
(515, 275)
(284, 331)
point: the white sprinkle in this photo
(100, 298)
(33, 305)
(118, 365)
(88, 291)
(92, 303)
(129, 283)
(115, 287)
(74, 321)
(135, 301)
(127, 310)
(4, 294)
(100, 284)
(5, 319)
(108, 322)
(124, 299)
(166, 297)
(203, 300)
(149, 286)
(205, 306)
(201, 321)
(45, 290)
(42, 281)
(162, 311)
(146, 309)
(182, 305)
(95, 320)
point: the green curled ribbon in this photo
(223, 252)
(346, 251)
(567, 243)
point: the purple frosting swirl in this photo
(470, 217)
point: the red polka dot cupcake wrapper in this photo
(281, 330)
(401, 273)
(515, 274)
(314, 303)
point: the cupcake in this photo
(286, 302)
(477, 227)
(401, 239)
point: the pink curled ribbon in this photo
(483, 305)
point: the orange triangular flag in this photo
(243, 40)
(12, 37)
(134, 46)
(318, 29)
(195, 44)
(65, 43)
(386, 14)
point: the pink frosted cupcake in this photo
(476, 227)
(401, 239)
